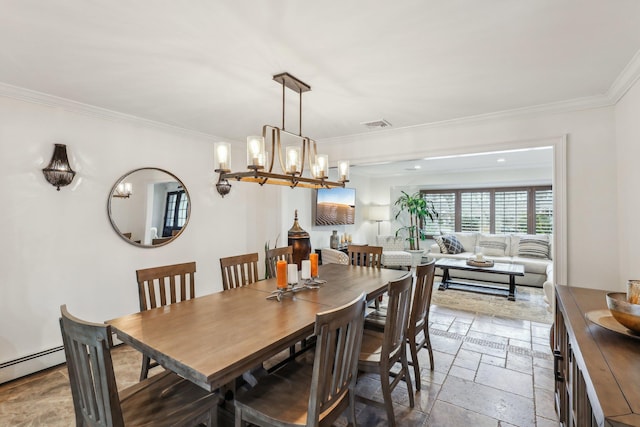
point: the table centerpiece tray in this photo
(477, 263)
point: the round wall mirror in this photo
(149, 207)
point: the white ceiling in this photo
(206, 65)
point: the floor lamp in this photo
(379, 214)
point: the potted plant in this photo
(418, 209)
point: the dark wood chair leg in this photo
(405, 365)
(427, 343)
(414, 360)
(386, 395)
(144, 372)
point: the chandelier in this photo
(260, 168)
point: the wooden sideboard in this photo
(597, 371)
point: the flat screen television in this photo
(335, 206)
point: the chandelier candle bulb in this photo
(222, 156)
(293, 160)
(322, 164)
(305, 272)
(281, 274)
(255, 152)
(292, 274)
(343, 170)
(314, 264)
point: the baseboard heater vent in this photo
(14, 369)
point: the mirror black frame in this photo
(117, 229)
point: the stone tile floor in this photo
(489, 371)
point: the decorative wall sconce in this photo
(222, 158)
(59, 172)
(124, 190)
(260, 169)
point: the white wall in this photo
(628, 175)
(59, 247)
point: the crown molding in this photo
(625, 79)
(35, 97)
(576, 104)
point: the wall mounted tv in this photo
(335, 206)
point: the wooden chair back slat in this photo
(276, 254)
(157, 286)
(365, 255)
(395, 328)
(239, 270)
(339, 335)
(423, 290)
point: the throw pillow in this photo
(492, 245)
(534, 248)
(440, 242)
(452, 244)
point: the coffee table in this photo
(512, 270)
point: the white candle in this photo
(292, 274)
(306, 269)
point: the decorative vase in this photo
(334, 241)
(299, 239)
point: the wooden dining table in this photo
(212, 339)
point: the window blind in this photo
(475, 211)
(511, 211)
(544, 211)
(445, 205)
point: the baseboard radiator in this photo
(14, 369)
(30, 364)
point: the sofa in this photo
(532, 251)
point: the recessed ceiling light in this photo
(417, 167)
(502, 160)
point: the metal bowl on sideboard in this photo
(624, 312)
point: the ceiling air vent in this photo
(377, 124)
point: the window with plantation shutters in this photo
(544, 211)
(511, 212)
(526, 210)
(475, 211)
(445, 204)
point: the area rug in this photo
(529, 303)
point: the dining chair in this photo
(382, 350)
(165, 399)
(369, 256)
(159, 286)
(365, 255)
(301, 394)
(418, 325)
(239, 270)
(276, 254)
(333, 256)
